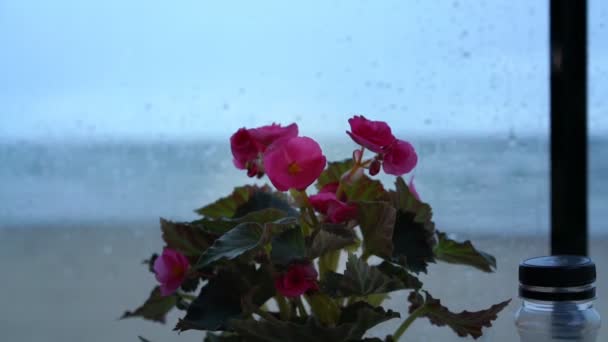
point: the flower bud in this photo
(374, 167)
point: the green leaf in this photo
(323, 308)
(463, 253)
(414, 233)
(243, 238)
(186, 238)
(366, 189)
(334, 172)
(143, 339)
(328, 263)
(330, 237)
(246, 199)
(288, 246)
(222, 225)
(226, 207)
(376, 300)
(377, 222)
(464, 323)
(220, 299)
(354, 321)
(155, 308)
(360, 279)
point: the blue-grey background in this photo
(113, 113)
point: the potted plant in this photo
(262, 264)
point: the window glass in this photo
(115, 113)
(598, 143)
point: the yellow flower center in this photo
(294, 168)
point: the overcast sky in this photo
(150, 69)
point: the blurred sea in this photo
(80, 218)
(475, 185)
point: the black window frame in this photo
(568, 136)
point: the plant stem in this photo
(284, 308)
(186, 296)
(311, 210)
(406, 324)
(352, 171)
(265, 315)
(301, 307)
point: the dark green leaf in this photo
(264, 199)
(360, 279)
(150, 262)
(155, 308)
(243, 238)
(354, 322)
(330, 237)
(220, 299)
(413, 242)
(377, 222)
(142, 339)
(288, 246)
(414, 233)
(464, 323)
(463, 253)
(190, 284)
(408, 280)
(404, 200)
(363, 317)
(188, 239)
(224, 337)
(334, 172)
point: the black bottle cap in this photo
(547, 278)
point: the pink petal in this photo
(322, 200)
(400, 158)
(373, 135)
(302, 152)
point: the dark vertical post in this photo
(568, 126)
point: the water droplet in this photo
(226, 106)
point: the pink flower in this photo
(335, 210)
(322, 200)
(330, 187)
(339, 211)
(170, 269)
(298, 279)
(400, 158)
(294, 163)
(248, 145)
(412, 188)
(266, 135)
(244, 148)
(373, 135)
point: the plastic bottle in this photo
(557, 293)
